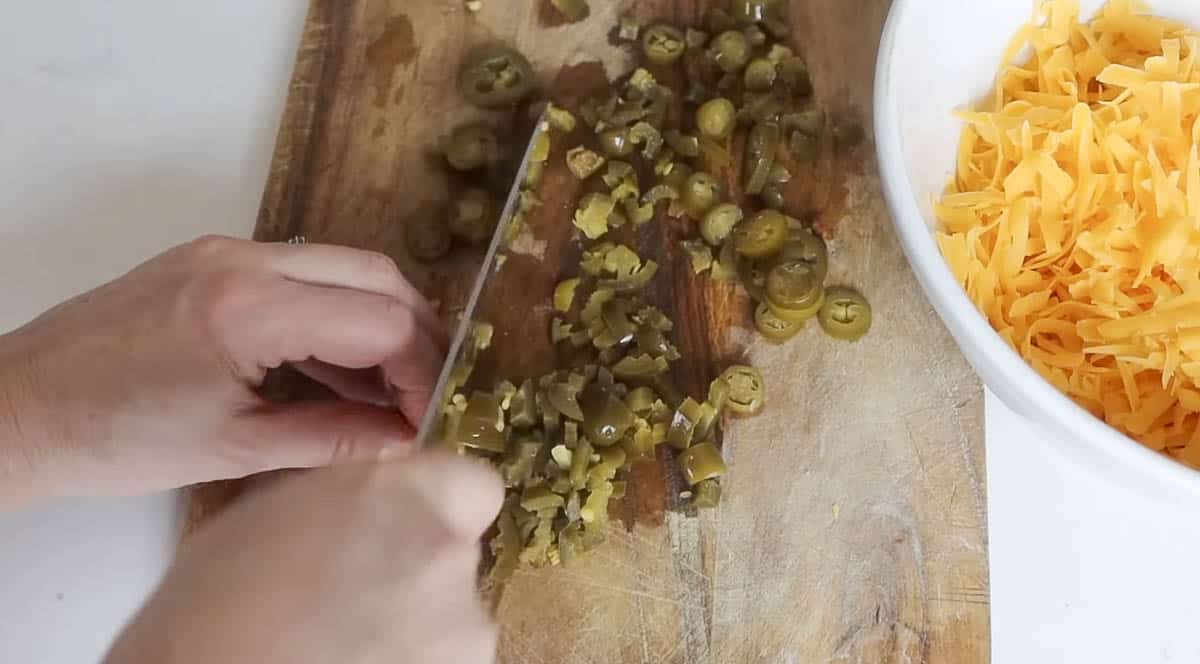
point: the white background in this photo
(127, 126)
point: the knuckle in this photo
(209, 246)
(210, 307)
(401, 316)
(214, 297)
(383, 265)
(398, 309)
(344, 448)
(241, 452)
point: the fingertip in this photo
(471, 488)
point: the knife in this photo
(466, 324)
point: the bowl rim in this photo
(994, 357)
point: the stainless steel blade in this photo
(430, 421)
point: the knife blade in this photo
(495, 249)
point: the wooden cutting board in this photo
(853, 527)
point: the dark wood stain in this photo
(380, 128)
(575, 84)
(550, 17)
(394, 47)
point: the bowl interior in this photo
(945, 58)
(938, 56)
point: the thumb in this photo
(319, 433)
(465, 493)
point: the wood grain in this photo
(853, 527)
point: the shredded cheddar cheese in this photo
(1073, 219)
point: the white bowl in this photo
(937, 56)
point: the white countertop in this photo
(125, 127)
(132, 125)
(1081, 570)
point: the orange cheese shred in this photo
(1073, 218)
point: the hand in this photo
(356, 564)
(149, 382)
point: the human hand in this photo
(356, 564)
(149, 382)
